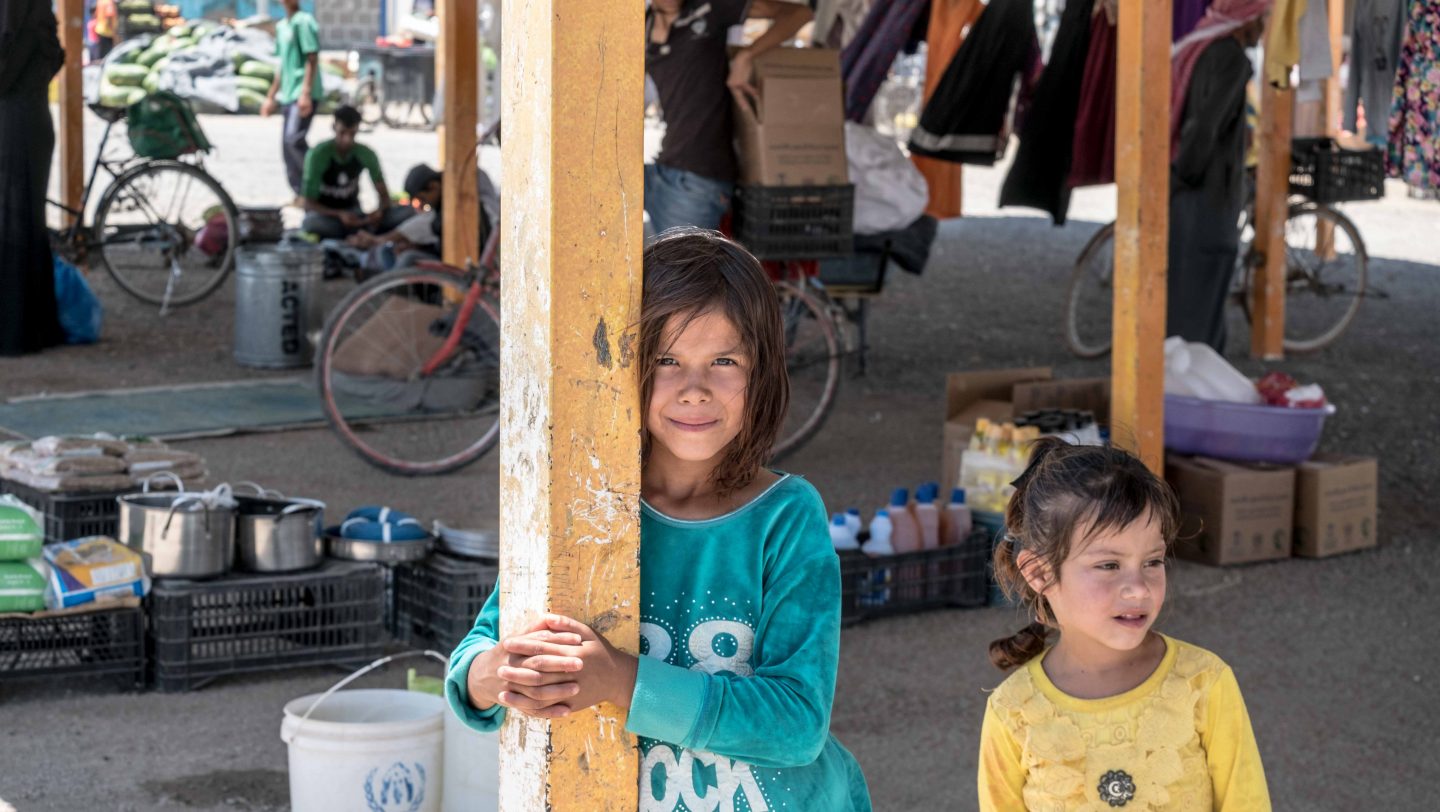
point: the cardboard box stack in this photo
(794, 135)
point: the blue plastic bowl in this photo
(1239, 431)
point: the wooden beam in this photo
(573, 185)
(460, 63)
(1142, 177)
(1272, 190)
(70, 14)
(949, 20)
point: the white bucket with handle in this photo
(366, 750)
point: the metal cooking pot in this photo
(275, 534)
(178, 533)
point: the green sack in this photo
(162, 125)
(22, 585)
(250, 101)
(21, 530)
(252, 83)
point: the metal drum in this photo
(277, 303)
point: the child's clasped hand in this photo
(558, 666)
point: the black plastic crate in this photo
(201, 630)
(71, 515)
(795, 222)
(1323, 172)
(437, 600)
(955, 576)
(105, 642)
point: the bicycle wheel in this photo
(372, 387)
(167, 232)
(1089, 306)
(812, 357)
(1325, 273)
(366, 99)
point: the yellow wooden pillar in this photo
(1272, 188)
(1142, 176)
(70, 15)
(572, 156)
(458, 68)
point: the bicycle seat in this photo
(110, 114)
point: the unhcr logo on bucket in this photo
(398, 789)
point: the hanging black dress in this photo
(1038, 178)
(964, 120)
(30, 55)
(1206, 195)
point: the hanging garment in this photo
(1042, 163)
(1207, 194)
(1186, 14)
(29, 55)
(866, 61)
(849, 16)
(1316, 59)
(1378, 27)
(949, 20)
(1282, 41)
(1092, 155)
(1414, 151)
(1223, 19)
(964, 120)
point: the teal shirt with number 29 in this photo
(740, 639)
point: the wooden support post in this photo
(1142, 222)
(570, 414)
(70, 15)
(1272, 189)
(460, 65)
(949, 20)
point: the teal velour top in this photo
(740, 639)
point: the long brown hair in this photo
(690, 272)
(1068, 495)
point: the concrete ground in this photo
(1336, 657)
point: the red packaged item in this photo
(1279, 389)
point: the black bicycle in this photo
(164, 229)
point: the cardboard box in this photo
(1000, 394)
(795, 135)
(1336, 505)
(1232, 513)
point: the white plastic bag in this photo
(890, 193)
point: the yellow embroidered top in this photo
(1181, 740)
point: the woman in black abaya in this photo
(30, 55)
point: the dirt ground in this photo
(1336, 657)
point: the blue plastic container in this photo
(1239, 431)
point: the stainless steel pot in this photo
(277, 534)
(179, 535)
(380, 552)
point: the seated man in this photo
(331, 187)
(420, 237)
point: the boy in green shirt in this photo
(331, 186)
(297, 86)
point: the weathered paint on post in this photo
(573, 188)
(1142, 175)
(1272, 190)
(459, 67)
(70, 16)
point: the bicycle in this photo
(164, 229)
(1325, 278)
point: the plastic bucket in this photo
(366, 750)
(472, 768)
(1239, 431)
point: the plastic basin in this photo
(1239, 431)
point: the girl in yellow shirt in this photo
(1114, 715)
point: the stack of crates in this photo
(203, 630)
(71, 515)
(436, 601)
(104, 642)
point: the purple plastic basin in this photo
(1239, 431)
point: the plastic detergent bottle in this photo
(927, 517)
(852, 521)
(875, 590)
(958, 522)
(905, 537)
(840, 536)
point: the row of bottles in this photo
(904, 526)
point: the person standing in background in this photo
(30, 55)
(105, 15)
(297, 87)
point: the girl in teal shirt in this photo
(740, 588)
